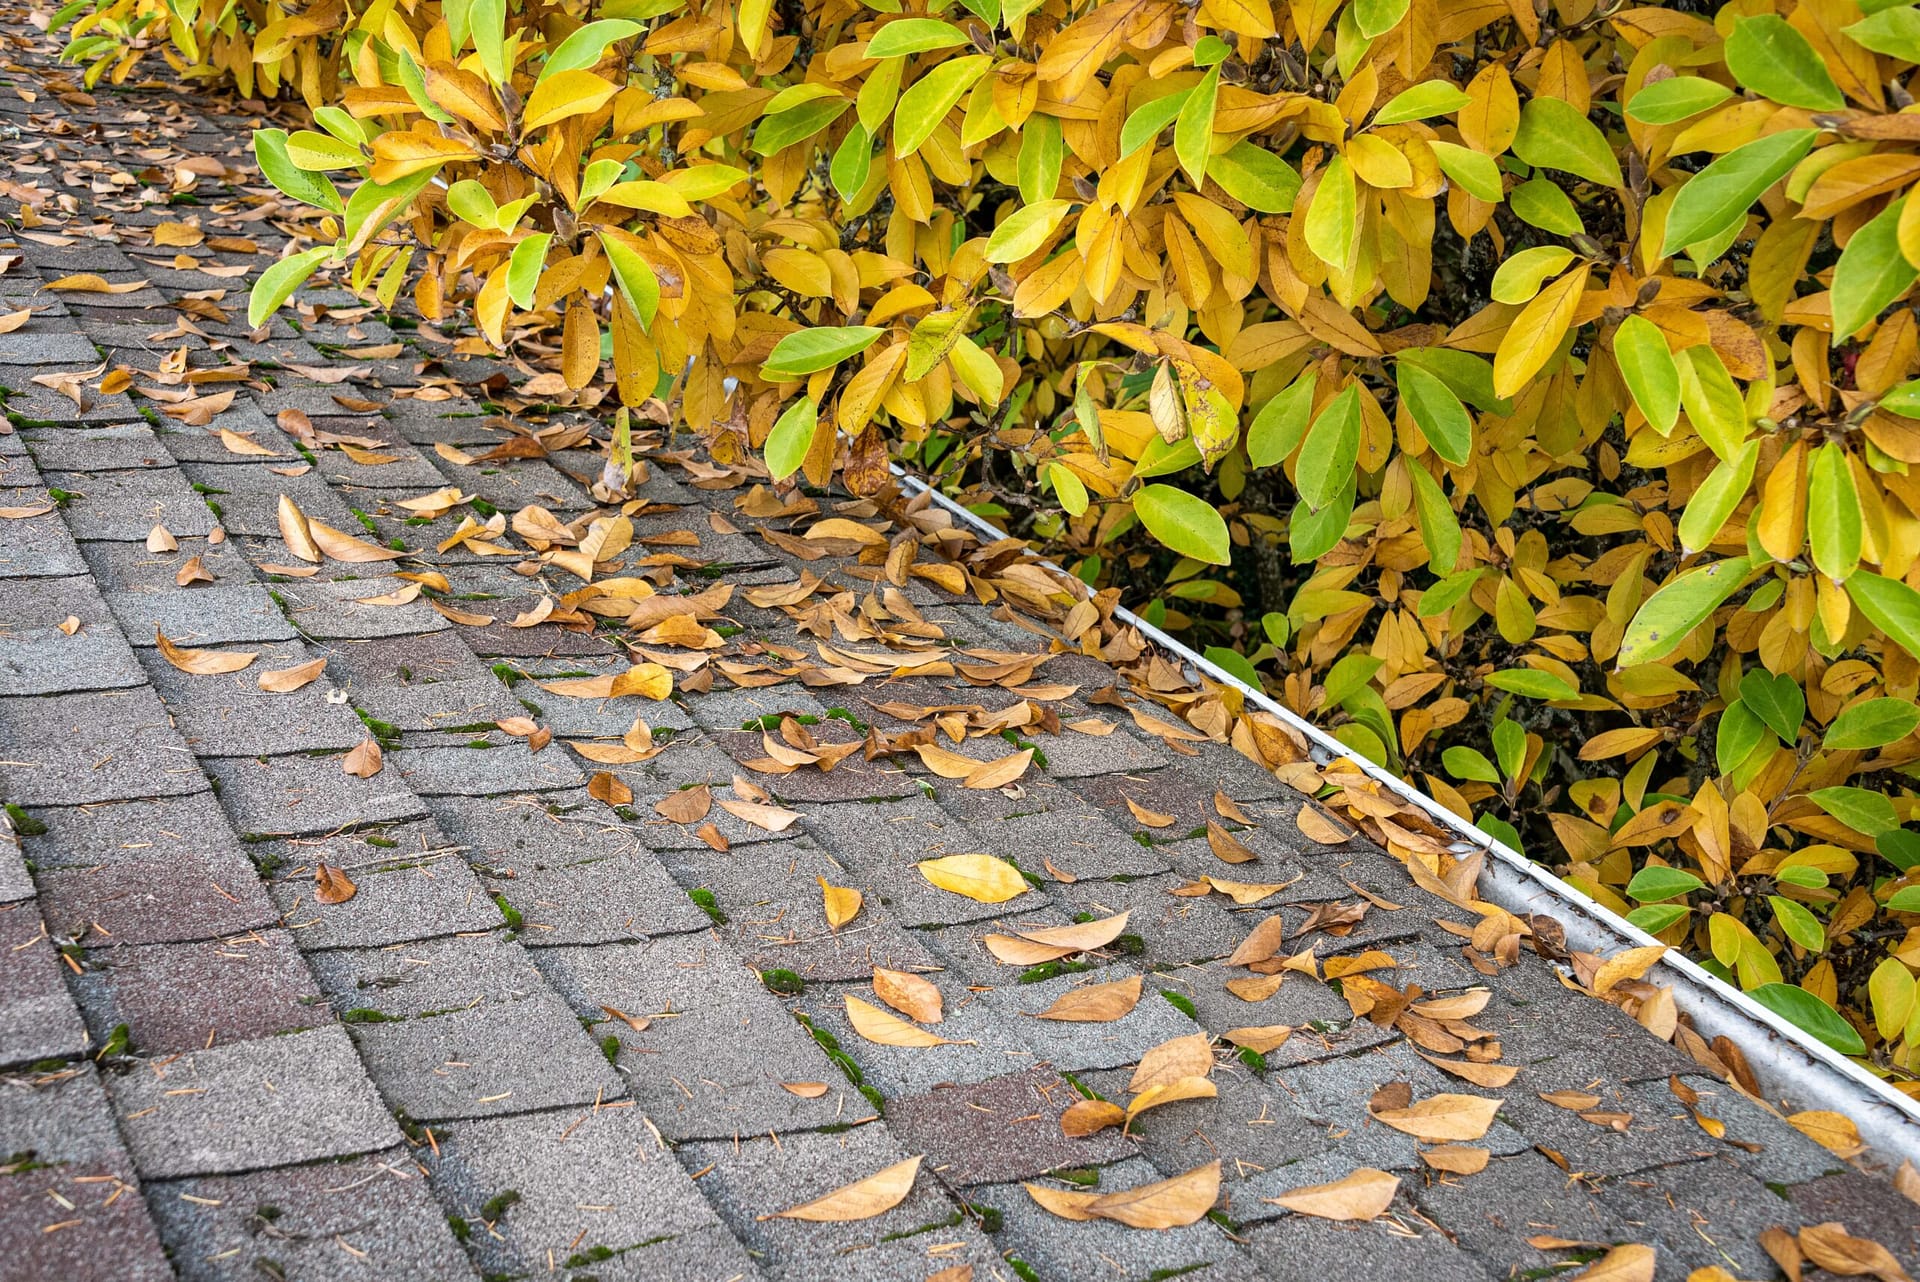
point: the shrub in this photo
(1617, 562)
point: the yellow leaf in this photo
(1165, 1204)
(1535, 333)
(911, 995)
(564, 94)
(842, 903)
(1363, 1195)
(1442, 1117)
(981, 878)
(1096, 1003)
(883, 1029)
(861, 1200)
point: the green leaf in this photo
(1766, 55)
(1647, 366)
(926, 103)
(1233, 663)
(1041, 155)
(1871, 273)
(1256, 178)
(1893, 607)
(1798, 924)
(270, 149)
(1311, 535)
(1520, 276)
(808, 351)
(1873, 724)
(1719, 196)
(1654, 883)
(632, 273)
(1738, 736)
(1863, 811)
(1193, 128)
(880, 93)
(1439, 527)
(488, 19)
(317, 151)
(1776, 700)
(1833, 514)
(1025, 230)
(1539, 202)
(1468, 376)
(1070, 490)
(1467, 763)
(1669, 101)
(1654, 918)
(1375, 18)
(1281, 424)
(1184, 522)
(584, 48)
(1899, 847)
(1148, 119)
(523, 269)
(933, 336)
(1532, 684)
(1330, 228)
(1424, 101)
(1348, 677)
(1442, 419)
(852, 161)
(472, 203)
(791, 438)
(1811, 1015)
(1332, 448)
(1509, 746)
(1554, 134)
(1477, 173)
(1715, 408)
(1665, 618)
(277, 283)
(905, 36)
(1714, 502)
(1447, 593)
(1893, 31)
(1801, 875)
(777, 133)
(1904, 900)
(1211, 51)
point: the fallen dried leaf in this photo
(861, 1200)
(689, 805)
(202, 663)
(1456, 1159)
(1832, 1248)
(1363, 1195)
(1441, 1118)
(1166, 1204)
(1091, 1116)
(842, 903)
(981, 878)
(765, 818)
(1096, 1003)
(1189, 1056)
(1629, 1263)
(363, 760)
(605, 786)
(806, 1090)
(916, 998)
(287, 680)
(160, 539)
(332, 885)
(883, 1029)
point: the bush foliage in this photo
(1541, 370)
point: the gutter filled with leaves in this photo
(1786, 1062)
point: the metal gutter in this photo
(1791, 1067)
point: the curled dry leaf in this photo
(998, 774)
(766, 818)
(1832, 1131)
(1456, 1159)
(1832, 1248)
(1260, 1039)
(806, 1090)
(342, 546)
(913, 996)
(603, 785)
(193, 570)
(287, 680)
(981, 878)
(1316, 826)
(883, 1029)
(1440, 1118)
(1493, 1076)
(1096, 1003)
(1363, 1195)
(861, 1200)
(295, 533)
(332, 885)
(160, 539)
(363, 760)
(1572, 1101)
(1090, 1117)
(1227, 847)
(1631, 964)
(1151, 818)
(1629, 1263)
(70, 625)
(1228, 809)
(1180, 1088)
(1249, 892)
(1033, 947)
(202, 663)
(842, 903)
(1166, 1204)
(638, 1023)
(1189, 1056)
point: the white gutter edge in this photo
(1789, 1065)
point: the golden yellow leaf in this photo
(287, 680)
(842, 903)
(913, 996)
(883, 1029)
(981, 878)
(203, 663)
(860, 1200)
(1363, 1195)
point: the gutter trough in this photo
(1792, 1068)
